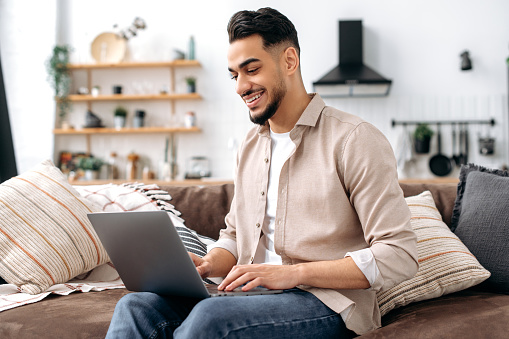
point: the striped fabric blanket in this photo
(110, 198)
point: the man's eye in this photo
(252, 70)
(233, 77)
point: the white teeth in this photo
(253, 98)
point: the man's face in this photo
(258, 77)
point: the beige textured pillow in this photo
(445, 263)
(45, 235)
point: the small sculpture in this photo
(92, 120)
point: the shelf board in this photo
(134, 97)
(174, 63)
(141, 130)
(186, 182)
(436, 180)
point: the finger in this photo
(241, 280)
(203, 269)
(196, 259)
(252, 284)
(231, 276)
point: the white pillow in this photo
(45, 235)
(445, 263)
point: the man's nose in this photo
(242, 85)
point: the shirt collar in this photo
(308, 118)
(313, 110)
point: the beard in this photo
(273, 105)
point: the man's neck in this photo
(290, 110)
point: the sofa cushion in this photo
(78, 315)
(445, 264)
(481, 221)
(464, 314)
(45, 235)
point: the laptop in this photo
(149, 255)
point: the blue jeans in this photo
(293, 314)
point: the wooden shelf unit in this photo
(172, 97)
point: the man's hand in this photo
(203, 267)
(217, 263)
(269, 276)
(334, 274)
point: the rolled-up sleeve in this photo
(370, 176)
(366, 262)
(228, 244)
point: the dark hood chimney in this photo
(352, 77)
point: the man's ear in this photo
(291, 60)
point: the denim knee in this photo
(205, 321)
(132, 301)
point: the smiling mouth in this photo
(252, 100)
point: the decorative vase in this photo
(139, 119)
(190, 120)
(66, 125)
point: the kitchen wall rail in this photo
(445, 122)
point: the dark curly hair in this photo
(274, 28)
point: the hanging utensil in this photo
(440, 164)
(466, 143)
(461, 155)
(455, 155)
(486, 143)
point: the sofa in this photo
(467, 313)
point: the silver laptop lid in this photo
(148, 253)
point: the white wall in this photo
(416, 44)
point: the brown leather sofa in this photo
(466, 314)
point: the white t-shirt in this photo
(282, 147)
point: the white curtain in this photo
(27, 36)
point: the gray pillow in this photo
(481, 220)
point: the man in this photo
(317, 211)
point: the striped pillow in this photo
(45, 235)
(445, 263)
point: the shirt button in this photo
(266, 159)
(252, 259)
(262, 193)
(257, 224)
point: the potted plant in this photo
(422, 137)
(60, 79)
(120, 117)
(191, 84)
(91, 166)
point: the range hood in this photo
(351, 78)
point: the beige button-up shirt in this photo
(338, 192)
